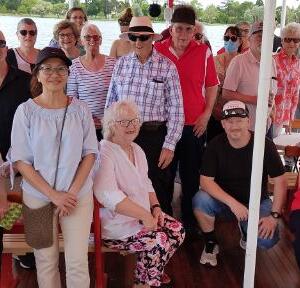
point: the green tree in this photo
(42, 8)
(259, 3)
(26, 6)
(254, 14)
(12, 5)
(198, 8)
(210, 14)
(59, 9)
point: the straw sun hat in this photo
(141, 26)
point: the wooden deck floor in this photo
(276, 268)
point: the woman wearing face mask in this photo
(232, 45)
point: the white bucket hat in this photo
(141, 26)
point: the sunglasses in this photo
(30, 32)
(96, 38)
(232, 38)
(198, 36)
(289, 40)
(126, 123)
(235, 112)
(2, 43)
(142, 38)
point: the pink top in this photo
(242, 76)
(116, 179)
(288, 77)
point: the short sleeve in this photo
(21, 149)
(211, 78)
(90, 142)
(232, 78)
(72, 85)
(272, 160)
(209, 161)
(106, 188)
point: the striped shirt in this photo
(90, 86)
(155, 87)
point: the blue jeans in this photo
(208, 205)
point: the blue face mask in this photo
(231, 46)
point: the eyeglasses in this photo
(289, 40)
(77, 17)
(142, 38)
(235, 112)
(30, 32)
(96, 38)
(48, 70)
(246, 31)
(198, 36)
(232, 38)
(2, 43)
(67, 35)
(126, 123)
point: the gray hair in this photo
(115, 112)
(27, 21)
(88, 26)
(291, 28)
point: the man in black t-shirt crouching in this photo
(225, 183)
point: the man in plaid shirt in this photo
(151, 80)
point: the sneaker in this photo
(243, 240)
(26, 261)
(209, 254)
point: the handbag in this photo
(38, 223)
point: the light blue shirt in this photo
(35, 141)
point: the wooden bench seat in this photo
(16, 244)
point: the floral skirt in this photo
(153, 248)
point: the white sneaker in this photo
(243, 240)
(210, 258)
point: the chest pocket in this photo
(155, 90)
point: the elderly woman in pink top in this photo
(132, 219)
(288, 78)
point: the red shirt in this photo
(296, 201)
(196, 71)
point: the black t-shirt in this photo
(14, 90)
(231, 167)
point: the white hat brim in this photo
(156, 36)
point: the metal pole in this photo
(71, 4)
(283, 15)
(259, 141)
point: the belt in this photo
(153, 125)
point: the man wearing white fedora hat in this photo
(151, 80)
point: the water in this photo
(110, 31)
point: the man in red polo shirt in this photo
(199, 82)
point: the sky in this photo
(290, 3)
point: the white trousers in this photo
(75, 229)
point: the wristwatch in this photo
(276, 215)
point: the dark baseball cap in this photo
(184, 14)
(50, 52)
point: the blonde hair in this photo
(115, 112)
(291, 28)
